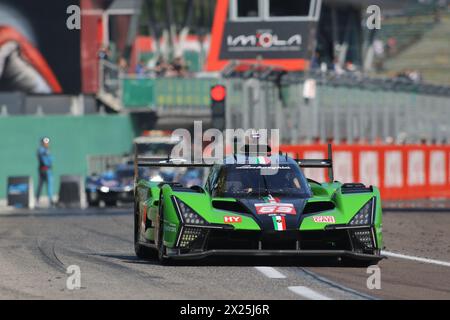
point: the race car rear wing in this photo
(161, 162)
(320, 163)
(170, 163)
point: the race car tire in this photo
(110, 203)
(161, 247)
(141, 251)
(93, 203)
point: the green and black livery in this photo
(246, 209)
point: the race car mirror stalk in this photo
(320, 163)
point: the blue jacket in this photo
(45, 159)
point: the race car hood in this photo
(279, 214)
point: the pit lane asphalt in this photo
(36, 247)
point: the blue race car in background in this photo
(116, 185)
(112, 186)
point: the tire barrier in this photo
(401, 172)
(20, 192)
(71, 192)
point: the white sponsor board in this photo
(416, 168)
(448, 157)
(437, 168)
(368, 168)
(393, 169)
(343, 166)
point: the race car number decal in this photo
(324, 219)
(275, 208)
(229, 219)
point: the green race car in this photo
(249, 206)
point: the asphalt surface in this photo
(37, 247)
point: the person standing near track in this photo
(45, 170)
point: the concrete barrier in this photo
(71, 192)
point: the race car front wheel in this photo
(160, 240)
(92, 202)
(110, 203)
(140, 250)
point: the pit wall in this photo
(73, 138)
(401, 172)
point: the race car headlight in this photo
(364, 215)
(189, 235)
(189, 216)
(104, 189)
(364, 238)
(156, 178)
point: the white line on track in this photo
(271, 272)
(414, 258)
(336, 285)
(308, 293)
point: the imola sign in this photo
(281, 40)
(264, 40)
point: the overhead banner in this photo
(251, 32)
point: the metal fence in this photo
(339, 112)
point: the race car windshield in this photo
(251, 180)
(129, 173)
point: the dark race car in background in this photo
(112, 186)
(116, 185)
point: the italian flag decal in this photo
(271, 199)
(279, 223)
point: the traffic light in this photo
(218, 95)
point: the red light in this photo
(218, 93)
